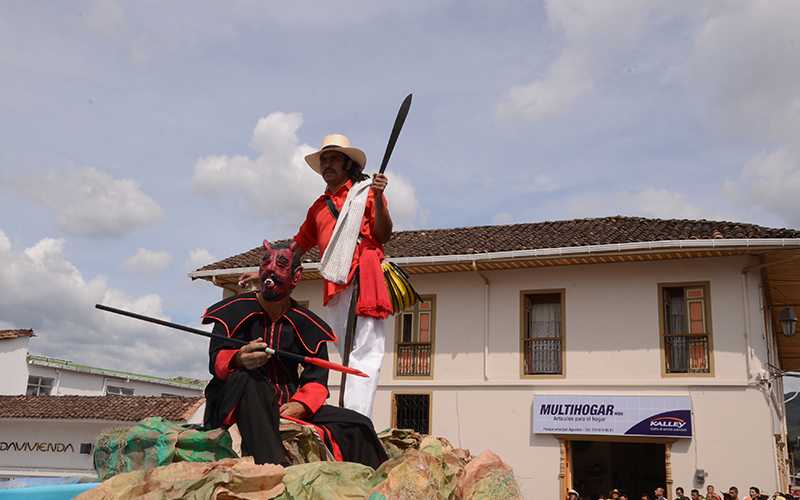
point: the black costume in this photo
(251, 398)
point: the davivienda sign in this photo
(666, 416)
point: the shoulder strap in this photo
(332, 208)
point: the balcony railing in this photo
(413, 360)
(543, 356)
(687, 353)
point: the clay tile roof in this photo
(538, 235)
(15, 334)
(116, 408)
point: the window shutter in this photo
(696, 305)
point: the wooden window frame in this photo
(398, 337)
(412, 393)
(662, 327)
(523, 324)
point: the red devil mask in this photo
(279, 273)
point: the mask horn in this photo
(267, 246)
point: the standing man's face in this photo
(333, 166)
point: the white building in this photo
(671, 322)
(54, 436)
(52, 410)
(57, 377)
(13, 360)
(24, 373)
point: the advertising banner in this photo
(663, 416)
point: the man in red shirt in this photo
(341, 166)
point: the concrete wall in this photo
(87, 384)
(13, 366)
(611, 323)
(612, 343)
(62, 457)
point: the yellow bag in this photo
(400, 288)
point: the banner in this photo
(663, 416)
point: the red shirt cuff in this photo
(222, 365)
(312, 395)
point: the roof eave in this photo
(574, 251)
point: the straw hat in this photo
(337, 142)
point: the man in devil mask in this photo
(253, 389)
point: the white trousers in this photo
(369, 345)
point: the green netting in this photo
(154, 442)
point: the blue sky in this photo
(143, 139)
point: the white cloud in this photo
(770, 181)
(48, 293)
(744, 65)
(744, 62)
(90, 202)
(198, 258)
(503, 218)
(403, 204)
(564, 82)
(278, 183)
(148, 261)
(649, 202)
(106, 17)
(593, 34)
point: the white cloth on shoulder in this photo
(338, 257)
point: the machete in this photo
(398, 125)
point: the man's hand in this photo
(379, 182)
(294, 409)
(247, 278)
(251, 356)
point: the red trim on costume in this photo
(227, 330)
(327, 330)
(222, 363)
(337, 453)
(297, 331)
(223, 306)
(243, 320)
(230, 418)
(312, 395)
(324, 435)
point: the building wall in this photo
(613, 346)
(85, 384)
(13, 366)
(63, 459)
(612, 332)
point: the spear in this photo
(323, 363)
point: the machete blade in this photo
(398, 125)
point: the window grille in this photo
(686, 329)
(543, 341)
(415, 334)
(412, 411)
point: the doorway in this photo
(634, 468)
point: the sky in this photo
(142, 140)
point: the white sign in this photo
(666, 416)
